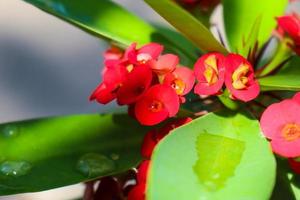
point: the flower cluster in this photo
(212, 70)
(151, 139)
(290, 24)
(280, 123)
(151, 84)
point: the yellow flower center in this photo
(211, 70)
(291, 132)
(129, 68)
(179, 86)
(239, 77)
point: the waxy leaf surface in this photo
(241, 15)
(187, 24)
(47, 153)
(218, 156)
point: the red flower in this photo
(152, 138)
(149, 143)
(165, 64)
(113, 53)
(135, 85)
(182, 80)
(290, 24)
(297, 97)
(146, 53)
(280, 122)
(143, 172)
(139, 190)
(210, 73)
(239, 78)
(113, 77)
(295, 165)
(158, 103)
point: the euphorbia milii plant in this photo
(207, 115)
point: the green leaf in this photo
(47, 153)
(218, 156)
(280, 82)
(240, 15)
(188, 25)
(248, 47)
(283, 53)
(286, 79)
(108, 20)
(103, 18)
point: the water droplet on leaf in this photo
(93, 164)
(10, 131)
(15, 168)
(114, 156)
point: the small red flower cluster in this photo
(290, 24)
(280, 123)
(151, 139)
(151, 84)
(212, 70)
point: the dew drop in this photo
(10, 131)
(15, 168)
(115, 156)
(93, 164)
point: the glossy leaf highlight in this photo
(47, 153)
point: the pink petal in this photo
(202, 87)
(154, 49)
(286, 149)
(165, 64)
(276, 116)
(297, 97)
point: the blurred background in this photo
(48, 67)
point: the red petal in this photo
(297, 97)
(135, 85)
(163, 94)
(170, 126)
(202, 87)
(153, 49)
(184, 74)
(165, 64)
(276, 116)
(103, 94)
(148, 144)
(290, 24)
(295, 165)
(143, 172)
(137, 192)
(285, 148)
(113, 53)
(233, 61)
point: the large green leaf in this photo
(186, 24)
(103, 18)
(288, 78)
(218, 156)
(107, 19)
(241, 15)
(53, 152)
